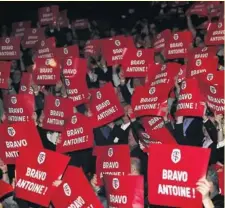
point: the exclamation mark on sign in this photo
(86, 138)
(115, 108)
(45, 190)
(193, 192)
(27, 118)
(196, 105)
(158, 105)
(83, 96)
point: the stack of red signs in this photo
(135, 61)
(4, 74)
(31, 36)
(16, 136)
(74, 71)
(215, 33)
(56, 111)
(150, 101)
(20, 107)
(172, 178)
(45, 48)
(18, 28)
(161, 39)
(69, 51)
(75, 191)
(112, 160)
(36, 170)
(177, 46)
(46, 71)
(48, 15)
(105, 105)
(80, 24)
(124, 191)
(190, 98)
(77, 134)
(25, 84)
(10, 48)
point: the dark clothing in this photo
(218, 201)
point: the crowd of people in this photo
(128, 122)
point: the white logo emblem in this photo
(151, 90)
(57, 102)
(20, 24)
(41, 157)
(47, 62)
(139, 53)
(23, 88)
(110, 152)
(158, 36)
(163, 67)
(180, 72)
(11, 131)
(42, 43)
(117, 43)
(65, 50)
(67, 189)
(67, 82)
(183, 85)
(220, 25)
(74, 119)
(47, 9)
(204, 49)
(7, 40)
(175, 36)
(98, 95)
(69, 62)
(115, 183)
(212, 89)
(176, 155)
(13, 100)
(209, 77)
(198, 62)
(34, 31)
(145, 135)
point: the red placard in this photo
(9, 48)
(189, 99)
(149, 101)
(62, 19)
(172, 178)
(92, 48)
(135, 61)
(215, 33)
(18, 28)
(124, 191)
(48, 15)
(198, 8)
(199, 66)
(14, 137)
(105, 105)
(69, 51)
(151, 122)
(112, 49)
(69, 195)
(177, 46)
(25, 84)
(46, 48)
(36, 170)
(5, 68)
(202, 52)
(46, 71)
(77, 134)
(80, 24)
(20, 108)
(161, 39)
(212, 77)
(31, 36)
(112, 160)
(5, 189)
(56, 111)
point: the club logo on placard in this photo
(42, 43)
(11, 131)
(158, 36)
(176, 156)
(67, 82)
(47, 9)
(98, 95)
(41, 157)
(110, 152)
(65, 51)
(34, 31)
(20, 24)
(183, 85)
(13, 100)
(163, 67)
(57, 102)
(139, 53)
(220, 24)
(204, 49)
(47, 62)
(117, 43)
(23, 88)
(145, 135)
(151, 90)
(212, 89)
(74, 119)
(115, 183)
(210, 77)
(69, 62)
(67, 189)
(198, 62)
(180, 72)
(175, 36)
(7, 40)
